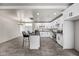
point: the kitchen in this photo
(52, 29)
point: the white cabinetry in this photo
(34, 41)
(45, 34)
(59, 39)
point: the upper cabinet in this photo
(72, 11)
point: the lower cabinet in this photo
(59, 39)
(45, 34)
(34, 42)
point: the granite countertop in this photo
(37, 33)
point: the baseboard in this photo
(8, 40)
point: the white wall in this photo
(68, 35)
(9, 28)
(77, 35)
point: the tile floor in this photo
(48, 48)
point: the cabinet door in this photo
(45, 34)
(60, 39)
(34, 42)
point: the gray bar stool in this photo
(25, 35)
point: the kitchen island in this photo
(34, 41)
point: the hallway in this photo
(48, 48)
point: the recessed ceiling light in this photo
(38, 13)
(55, 13)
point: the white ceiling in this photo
(45, 14)
(27, 10)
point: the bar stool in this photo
(25, 35)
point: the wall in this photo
(9, 28)
(77, 35)
(68, 35)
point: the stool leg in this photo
(28, 43)
(23, 42)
